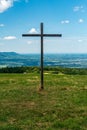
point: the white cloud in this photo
(5, 4)
(78, 8)
(33, 30)
(81, 21)
(65, 22)
(2, 25)
(29, 42)
(80, 40)
(10, 38)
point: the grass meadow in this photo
(62, 105)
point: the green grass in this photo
(62, 105)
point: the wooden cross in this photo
(42, 35)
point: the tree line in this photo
(53, 70)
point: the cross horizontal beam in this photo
(44, 35)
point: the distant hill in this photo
(4, 55)
(12, 59)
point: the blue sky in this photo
(66, 17)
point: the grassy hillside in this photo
(62, 105)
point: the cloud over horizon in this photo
(9, 38)
(65, 22)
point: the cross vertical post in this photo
(42, 85)
(42, 35)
